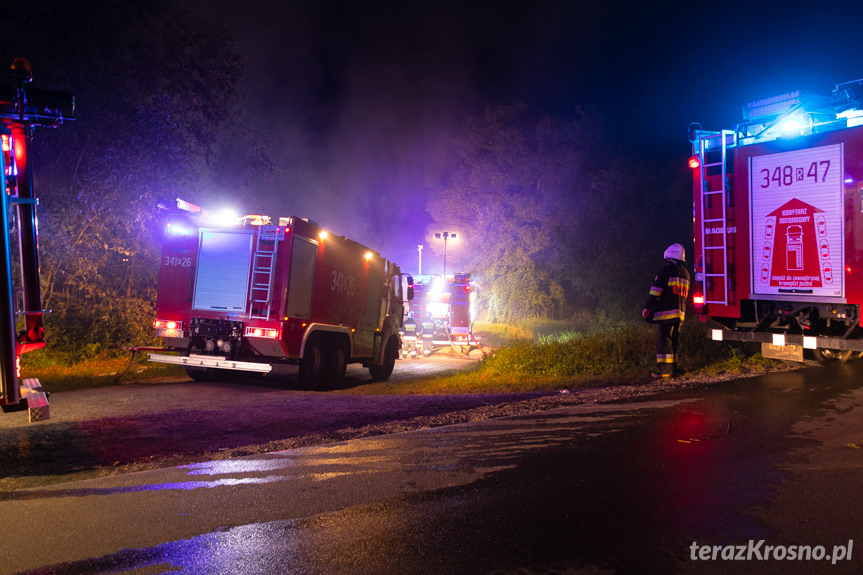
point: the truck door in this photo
(224, 261)
(301, 280)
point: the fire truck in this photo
(778, 225)
(21, 111)
(274, 296)
(450, 303)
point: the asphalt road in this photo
(632, 487)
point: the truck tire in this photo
(335, 363)
(391, 353)
(827, 356)
(312, 364)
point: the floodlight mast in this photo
(445, 236)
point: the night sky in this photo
(358, 94)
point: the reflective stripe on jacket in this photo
(667, 297)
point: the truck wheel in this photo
(335, 364)
(827, 356)
(383, 372)
(312, 364)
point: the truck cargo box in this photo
(779, 224)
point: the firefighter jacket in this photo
(412, 328)
(667, 299)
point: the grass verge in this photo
(541, 356)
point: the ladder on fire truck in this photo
(714, 257)
(263, 272)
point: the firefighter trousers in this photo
(667, 339)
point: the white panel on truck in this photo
(224, 264)
(798, 223)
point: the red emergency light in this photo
(698, 301)
(694, 162)
(20, 150)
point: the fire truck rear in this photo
(449, 303)
(778, 211)
(265, 296)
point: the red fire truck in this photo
(21, 111)
(274, 296)
(778, 212)
(450, 303)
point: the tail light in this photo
(168, 328)
(271, 333)
(698, 300)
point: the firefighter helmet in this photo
(675, 252)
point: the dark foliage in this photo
(152, 87)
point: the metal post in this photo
(445, 236)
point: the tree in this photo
(512, 189)
(153, 86)
(552, 221)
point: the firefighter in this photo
(666, 307)
(409, 342)
(428, 334)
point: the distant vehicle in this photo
(274, 296)
(779, 224)
(450, 303)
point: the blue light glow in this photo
(177, 230)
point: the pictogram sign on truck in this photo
(274, 296)
(778, 234)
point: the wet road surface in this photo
(601, 488)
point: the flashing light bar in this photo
(187, 206)
(771, 106)
(271, 333)
(176, 229)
